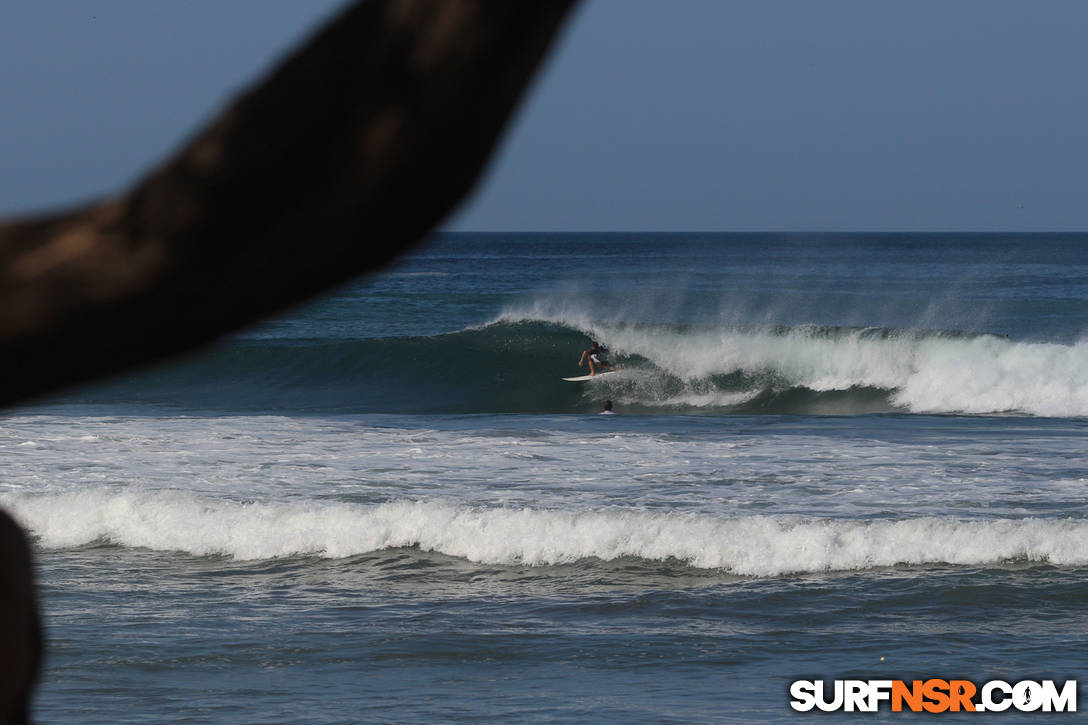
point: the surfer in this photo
(607, 408)
(597, 356)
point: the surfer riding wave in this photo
(598, 358)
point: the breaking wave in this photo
(514, 365)
(813, 368)
(748, 545)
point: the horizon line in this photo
(748, 231)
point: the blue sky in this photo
(725, 115)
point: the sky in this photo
(650, 115)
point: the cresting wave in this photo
(514, 365)
(749, 546)
(789, 369)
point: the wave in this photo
(748, 546)
(495, 369)
(809, 367)
(514, 365)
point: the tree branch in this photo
(348, 153)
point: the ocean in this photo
(852, 456)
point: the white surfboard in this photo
(582, 378)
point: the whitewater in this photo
(751, 546)
(921, 371)
(833, 455)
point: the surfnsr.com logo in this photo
(934, 695)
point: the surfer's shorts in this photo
(598, 360)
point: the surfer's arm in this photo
(583, 358)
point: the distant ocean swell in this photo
(749, 545)
(514, 365)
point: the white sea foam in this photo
(748, 545)
(694, 399)
(925, 372)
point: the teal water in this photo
(387, 506)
